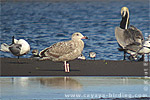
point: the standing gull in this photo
(65, 50)
(126, 35)
(18, 47)
(92, 55)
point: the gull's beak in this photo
(84, 37)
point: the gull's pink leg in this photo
(68, 68)
(65, 65)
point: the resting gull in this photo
(92, 55)
(65, 50)
(18, 47)
(81, 57)
(126, 35)
(138, 49)
(35, 54)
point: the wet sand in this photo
(32, 67)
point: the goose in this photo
(65, 51)
(126, 35)
(17, 48)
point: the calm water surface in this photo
(25, 88)
(45, 23)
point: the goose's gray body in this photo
(129, 38)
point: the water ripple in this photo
(45, 23)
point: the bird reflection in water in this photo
(60, 83)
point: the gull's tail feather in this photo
(4, 47)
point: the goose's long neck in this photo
(124, 24)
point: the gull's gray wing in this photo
(15, 49)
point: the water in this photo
(25, 88)
(45, 23)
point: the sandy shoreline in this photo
(32, 67)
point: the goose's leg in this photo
(124, 56)
(142, 58)
(148, 58)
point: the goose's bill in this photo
(124, 10)
(123, 13)
(84, 37)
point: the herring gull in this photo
(65, 50)
(138, 49)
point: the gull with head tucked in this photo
(65, 50)
(137, 49)
(18, 47)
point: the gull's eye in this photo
(77, 34)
